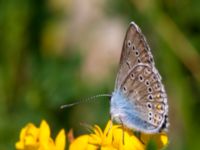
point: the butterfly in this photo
(139, 100)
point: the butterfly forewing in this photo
(135, 50)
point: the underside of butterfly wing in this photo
(139, 100)
(135, 50)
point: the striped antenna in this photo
(85, 100)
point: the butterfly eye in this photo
(138, 60)
(129, 43)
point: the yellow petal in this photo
(32, 130)
(19, 145)
(23, 133)
(44, 137)
(81, 143)
(109, 148)
(108, 127)
(94, 139)
(131, 142)
(28, 136)
(164, 139)
(97, 130)
(107, 139)
(161, 139)
(44, 131)
(33, 138)
(29, 140)
(60, 140)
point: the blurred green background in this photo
(55, 52)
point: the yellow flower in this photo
(160, 139)
(33, 138)
(115, 138)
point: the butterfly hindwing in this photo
(143, 87)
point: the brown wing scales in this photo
(146, 88)
(135, 50)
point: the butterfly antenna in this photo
(85, 100)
